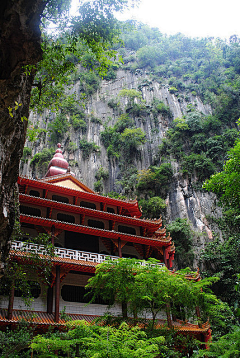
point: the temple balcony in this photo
(67, 254)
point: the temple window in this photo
(86, 204)
(82, 242)
(74, 294)
(61, 199)
(71, 293)
(66, 218)
(126, 229)
(96, 223)
(34, 193)
(28, 210)
(110, 210)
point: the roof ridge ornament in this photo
(58, 165)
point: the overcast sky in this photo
(214, 18)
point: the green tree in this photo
(116, 277)
(155, 181)
(153, 207)
(132, 139)
(182, 236)
(226, 184)
(87, 340)
(142, 286)
(14, 343)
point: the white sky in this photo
(202, 18)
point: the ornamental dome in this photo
(58, 165)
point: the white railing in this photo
(68, 253)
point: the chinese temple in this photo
(85, 228)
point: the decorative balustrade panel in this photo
(69, 254)
(62, 252)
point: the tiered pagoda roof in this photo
(58, 185)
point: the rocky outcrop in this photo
(183, 201)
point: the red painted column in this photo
(119, 248)
(50, 300)
(57, 293)
(10, 302)
(164, 257)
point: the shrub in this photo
(123, 122)
(27, 152)
(155, 180)
(173, 90)
(102, 174)
(113, 103)
(98, 186)
(41, 160)
(95, 119)
(132, 139)
(158, 107)
(152, 208)
(87, 148)
(182, 236)
(58, 127)
(78, 123)
(199, 165)
(138, 110)
(72, 147)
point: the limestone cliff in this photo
(182, 201)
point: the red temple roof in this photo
(130, 205)
(47, 319)
(156, 241)
(151, 225)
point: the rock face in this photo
(183, 201)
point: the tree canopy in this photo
(141, 286)
(226, 184)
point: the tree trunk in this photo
(19, 47)
(168, 312)
(124, 310)
(198, 317)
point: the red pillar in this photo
(165, 257)
(119, 248)
(57, 293)
(10, 302)
(50, 300)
